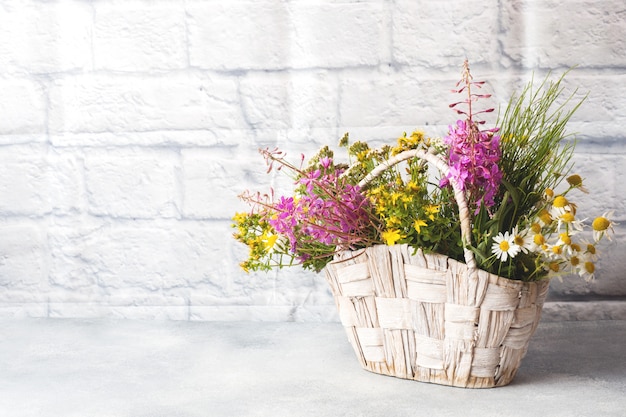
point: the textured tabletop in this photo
(94, 368)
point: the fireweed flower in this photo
(473, 159)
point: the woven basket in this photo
(430, 318)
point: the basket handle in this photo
(459, 195)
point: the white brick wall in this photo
(127, 129)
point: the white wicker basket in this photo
(430, 318)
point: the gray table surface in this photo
(97, 368)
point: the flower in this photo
(504, 246)
(576, 181)
(560, 206)
(601, 226)
(431, 210)
(417, 224)
(523, 240)
(390, 237)
(524, 221)
(587, 270)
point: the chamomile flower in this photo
(590, 250)
(504, 246)
(601, 226)
(565, 242)
(576, 181)
(575, 263)
(587, 270)
(523, 239)
(560, 206)
(569, 221)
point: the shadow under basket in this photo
(423, 317)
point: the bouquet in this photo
(516, 178)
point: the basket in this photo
(429, 318)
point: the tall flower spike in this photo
(473, 153)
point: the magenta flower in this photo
(473, 159)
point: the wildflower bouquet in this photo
(515, 177)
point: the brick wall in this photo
(127, 129)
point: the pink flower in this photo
(473, 159)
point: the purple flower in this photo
(473, 159)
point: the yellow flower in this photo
(417, 136)
(240, 217)
(394, 197)
(269, 240)
(431, 210)
(391, 236)
(412, 186)
(418, 224)
(393, 221)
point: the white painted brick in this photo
(36, 183)
(440, 34)
(25, 259)
(22, 106)
(239, 35)
(354, 34)
(131, 37)
(210, 182)
(126, 183)
(280, 34)
(144, 262)
(397, 100)
(104, 103)
(590, 34)
(43, 37)
(289, 100)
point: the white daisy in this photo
(505, 246)
(523, 239)
(601, 226)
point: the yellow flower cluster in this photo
(258, 235)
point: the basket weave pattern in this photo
(424, 317)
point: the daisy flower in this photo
(504, 246)
(560, 206)
(590, 250)
(523, 239)
(568, 220)
(601, 226)
(587, 270)
(576, 181)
